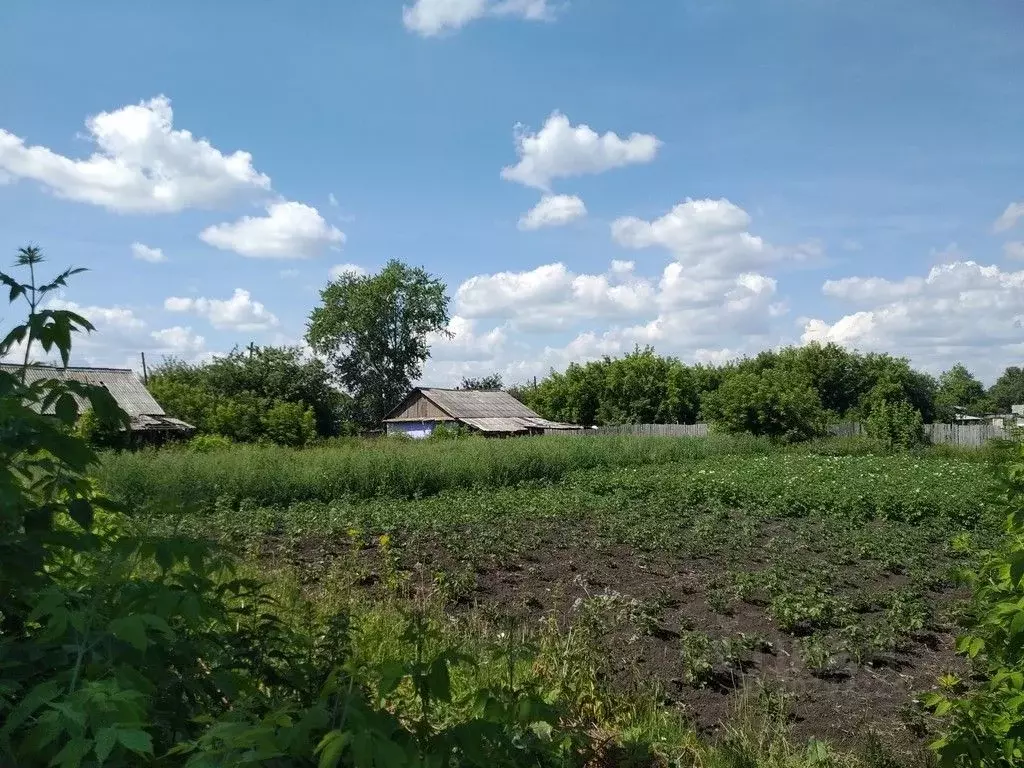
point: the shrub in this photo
(775, 403)
(289, 424)
(96, 433)
(208, 444)
(895, 425)
(985, 726)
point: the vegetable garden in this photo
(692, 573)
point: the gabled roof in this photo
(486, 410)
(130, 393)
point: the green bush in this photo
(289, 424)
(775, 403)
(895, 425)
(985, 725)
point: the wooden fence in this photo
(966, 435)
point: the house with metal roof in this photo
(490, 412)
(145, 414)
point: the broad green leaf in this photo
(331, 748)
(106, 738)
(72, 754)
(138, 741)
(131, 629)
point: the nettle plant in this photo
(120, 648)
(985, 725)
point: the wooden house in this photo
(147, 418)
(490, 412)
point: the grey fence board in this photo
(967, 435)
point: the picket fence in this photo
(965, 435)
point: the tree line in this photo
(371, 336)
(792, 393)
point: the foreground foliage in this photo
(986, 724)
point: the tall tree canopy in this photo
(374, 331)
(1008, 389)
(489, 382)
(273, 393)
(958, 389)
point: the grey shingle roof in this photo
(487, 410)
(130, 393)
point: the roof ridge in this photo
(47, 366)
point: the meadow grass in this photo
(384, 468)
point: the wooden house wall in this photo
(421, 409)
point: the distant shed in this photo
(490, 412)
(145, 414)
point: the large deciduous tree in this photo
(374, 331)
(1008, 389)
(958, 390)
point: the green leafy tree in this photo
(643, 388)
(289, 424)
(484, 383)
(958, 390)
(893, 380)
(231, 395)
(1008, 389)
(375, 329)
(774, 403)
(895, 424)
(573, 397)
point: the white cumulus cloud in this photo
(707, 236)
(145, 253)
(429, 18)
(240, 312)
(290, 230)
(178, 341)
(553, 211)
(561, 150)
(142, 164)
(962, 310)
(872, 289)
(346, 269)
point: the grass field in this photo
(686, 574)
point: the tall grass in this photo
(384, 468)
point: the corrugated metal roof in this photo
(486, 410)
(514, 424)
(478, 404)
(131, 395)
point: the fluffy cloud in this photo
(141, 164)
(561, 150)
(709, 237)
(551, 297)
(289, 231)
(145, 253)
(433, 17)
(553, 211)
(961, 310)
(179, 342)
(872, 289)
(239, 312)
(1009, 218)
(346, 269)
(119, 338)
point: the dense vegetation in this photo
(263, 393)
(514, 603)
(788, 394)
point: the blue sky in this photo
(853, 171)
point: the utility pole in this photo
(252, 348)
(145, 373)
